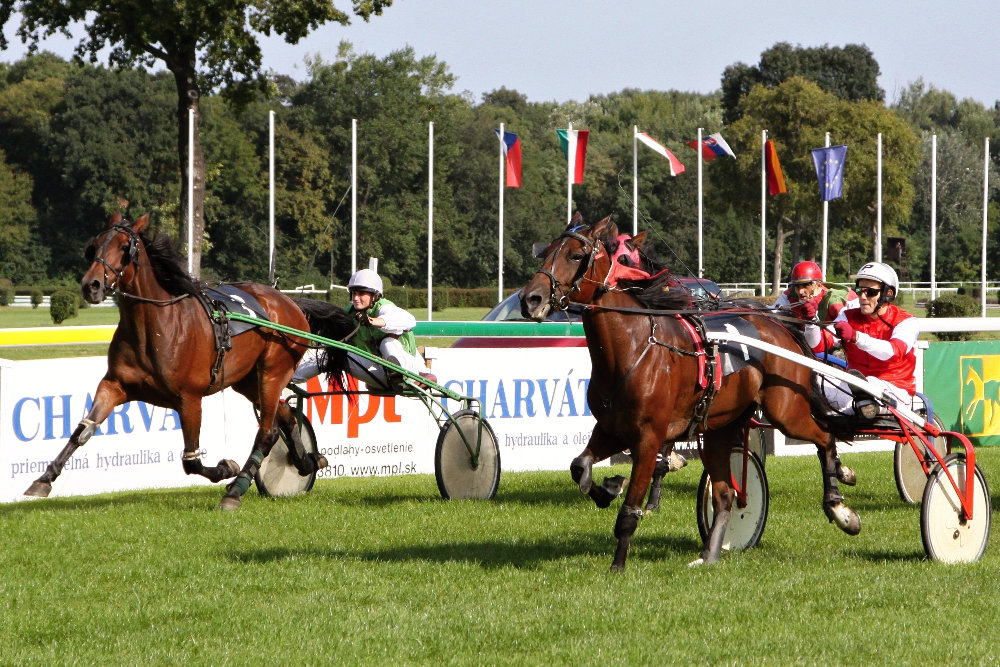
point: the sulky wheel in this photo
(459, 471)
(947, 537)
(746, 525)
(911, 477)
(278, 475)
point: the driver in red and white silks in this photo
(878, 337)
(808, 297)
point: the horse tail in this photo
(329, 321)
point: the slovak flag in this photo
(574, 146)
(511, 147)
(713, 146)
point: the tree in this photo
(222, 36)
(22, 257)
(849, 73)
(796, 115)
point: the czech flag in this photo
(675, 165)
(511, 147)
(712, 146)
(574, 146)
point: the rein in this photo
(134, 245)
(562, 301)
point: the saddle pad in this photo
(734, 356)
(231, 299)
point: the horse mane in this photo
(329, 321)
(168, 266)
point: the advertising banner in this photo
(962, 380)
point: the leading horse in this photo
(168, 351)
(644, 391)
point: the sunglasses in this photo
(869, 292)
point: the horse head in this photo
(573, 268)
(113, 256)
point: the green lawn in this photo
(376, 571)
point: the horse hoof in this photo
(696, 562)
(615, 485)
(230, 503)
(580, 469)
(845, 518)
(231, 465)
(321, 462)
(39, 490)
(846, 476)
(675, 462)
(617, 569)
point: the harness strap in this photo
(712, 378)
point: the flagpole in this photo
(933, 217)
(763, 203)
(826, 213)
(354, 195)
(700, 148)
(570, 159)
(430, 220)
(878, 232)
(500, 250)
(190, 229)
(635, 180)
(270, 198)
(986, 201)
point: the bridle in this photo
(591, 250)
(93, 254)
(130, 257)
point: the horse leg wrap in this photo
(240, 485)
(84, 430)
(627, 521)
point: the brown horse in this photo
(643, 390)
(166, 351)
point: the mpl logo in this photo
(326, 406)
(980, 394)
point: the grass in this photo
(381, 570)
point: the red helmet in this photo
(805, 272)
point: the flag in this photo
(574, 146)
(829, 164)
(511, 146)
(713, 145)
(675, 165)
(775, 177)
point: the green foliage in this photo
(63, 305)
(36, 297)
(6, 295)
(953, 305)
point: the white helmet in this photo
(365, 280)
(882, 273)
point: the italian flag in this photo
(574, 146)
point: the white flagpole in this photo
(430, 220)
(635, 180)
(933, 216)
(190, 190)
(763, 203)
(826, 213)
(986, 201)
(570, 160)
(700, 265)
(500, 250)
(354, 195)
(270, 198)
(878, 215)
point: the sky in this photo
(562, 50)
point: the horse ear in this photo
(139, 224)
(606, 228)
(116, 217)
(639, 239)
(575, 221)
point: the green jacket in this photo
(369, 338)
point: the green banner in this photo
(962, 380)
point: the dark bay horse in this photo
(165, 352)
(644, 392)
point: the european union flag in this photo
(829, 163)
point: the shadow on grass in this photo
(487, 554)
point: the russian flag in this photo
(713, 145)
(574, 147)
(511, 147)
